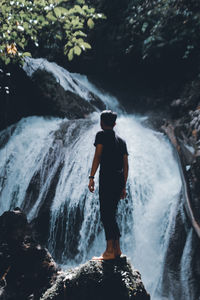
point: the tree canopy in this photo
(25, 23)
(155, 25)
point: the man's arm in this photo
(95, 164)
(125, 168)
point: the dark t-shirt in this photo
(114, 149)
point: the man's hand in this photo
(95, 164)
(91, 185)
(123, 194)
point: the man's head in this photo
(108, 119)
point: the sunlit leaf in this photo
(27, 54)
(71, 54)
(90, 23)
(77, 50)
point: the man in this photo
(111, 153)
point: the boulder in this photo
(100, 280)
(26, 269)
(40, 95)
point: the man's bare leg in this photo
(118, 251)
(109, 253)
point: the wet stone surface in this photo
(101, 280)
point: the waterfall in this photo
(187, 292)
(46, 163)
(21, 156)
(73, 82)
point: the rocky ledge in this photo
(100, 280)
(41, 94)
(28, 272)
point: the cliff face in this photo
(183, 129)
(185, 118)
(27, 271)
(40, 95)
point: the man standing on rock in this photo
(111, 153)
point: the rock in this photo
(54, 100)
(26, 269)
(114, 279)
(176, 102)
(13, 226)
(41, 95)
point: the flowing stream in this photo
(50, 159)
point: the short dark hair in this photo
(108, 117)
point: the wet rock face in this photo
(54, 100)
(13, 226)
(41, 95)
(114, 279)
(186, 128)
(26, 269)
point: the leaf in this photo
(71, 54)
(149, 40)
(160, 45)
(7, 60)
(50, 17)
(77, 50)
(57, 12)
(5, 26)
(85, 7)
(79, 9)
(59, 37)
(25, 25)
(144, 26)
(27, 54)
(74, 40)
(80, 41)
(68, 45)
(80, 33)
(86, 45)
(21, 45)
(90, 23)
(80, 1)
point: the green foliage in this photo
(24, 23)
(156, 26)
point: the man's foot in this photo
(105, 256)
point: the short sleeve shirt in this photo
(114, 148)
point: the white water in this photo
(153, 188)
(76, 83)
(186, 267)
(21, 157)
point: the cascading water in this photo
(21, 157)
(76, 83)
(50, 160)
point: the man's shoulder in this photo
(121, 140)
(122, 145)
(100, 132)
(99, 138)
